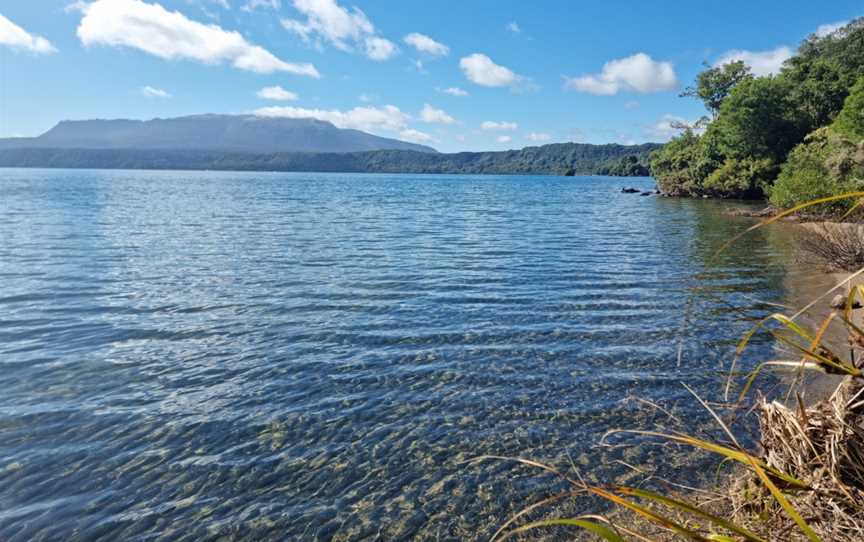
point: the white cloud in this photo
(513, 27)
(277, 93)
(636, 73)
(415, 136)
(437, 116)
(252, 5)
(504, 139)
(16, 37)
(538, 137)
(453, 91)
(632, 104)
(380, 49)
(499, 126)
(369, 118)
(480, 69)
(425, 44)
(153, 92)
(668, 127)
(828, 29)
(327, 21)
(760, 62)
(171, 35)
(366, 97)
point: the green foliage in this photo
(714, 84)
(757, 120)
(850, 121)
(682, 165)
(631, 165)
(741, 178)
(826, 164)
(817, 89)
(554, 159)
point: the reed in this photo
(804, 482)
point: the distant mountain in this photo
(226, 133)
(554, 159)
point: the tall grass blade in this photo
(648, 514)
(600, 530)
(778, 496)
(689, 508)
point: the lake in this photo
(272, 356)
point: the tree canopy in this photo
(756, 122)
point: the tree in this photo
(850, 121)
(757, 120)
(713, 85)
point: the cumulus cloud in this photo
(171, 35)
(153, 92)
(480, 69)
(827, 29)
(17, 38)
(380, 49)
(327, 21)
(492, 126)
(425, 44)
(435, 116)
(636, 73)
(504, 139)
(415, 136)
(538, 137)
(760, 62)
(513, 26)
(368, 118)
(453, 91)
(277, 93)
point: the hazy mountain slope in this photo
(234, 133)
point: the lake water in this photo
(262, 356)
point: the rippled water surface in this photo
(253, 356)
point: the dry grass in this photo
(837, 247)
(823, 445)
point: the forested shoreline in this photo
(790, 137)
(552, 159)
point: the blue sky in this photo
(526, 73)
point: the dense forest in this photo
(553, 159)
(791, 137)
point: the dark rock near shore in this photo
(839, 302)
(630, 191)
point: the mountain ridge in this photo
(211, 132)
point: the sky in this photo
(456, 75)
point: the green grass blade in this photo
(600, 530)
(648, 514)
(778, 496)
(736, 455)
(687, 507)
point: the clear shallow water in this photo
(247, 356)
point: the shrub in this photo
(682, 165)
(745, 178)
(824, 165)
(850, 122)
